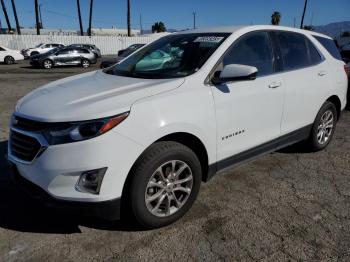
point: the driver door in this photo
(248, 112)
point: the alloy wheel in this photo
(169, 188)
(325, 128)
(47, 64)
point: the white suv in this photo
(140, 137)
(40, 49)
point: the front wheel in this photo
(47, 64)
(323, 127)
(165, 184)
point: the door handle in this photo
(275, 84)
(322, 73)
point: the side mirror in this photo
(235, 72)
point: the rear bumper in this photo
(109, 210)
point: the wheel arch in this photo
(334, 99)
(187, 139)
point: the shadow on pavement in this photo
(21, 213)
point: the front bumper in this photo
(57, 170)
(109, 210)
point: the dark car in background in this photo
(64, 56)
(94, 49)
(345, 52)
(121, 55)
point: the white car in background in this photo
(40, 49)
(139, 137)
(9, 56)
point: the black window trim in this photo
(277, 56)
(308, 51)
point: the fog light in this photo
(90, 181)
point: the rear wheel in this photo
(47, 64)
(165, 183)
(9, 60)
(324, 127)
(85, 63)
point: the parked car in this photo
(90, 47)
(345, 53)
(40, 49)
(121, 55)
(64, 56)
(9, 56)
(146, 138)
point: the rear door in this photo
(306, 78)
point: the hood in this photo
(88, 96)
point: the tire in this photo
(178, 196)
(47, 64)
(9, 60)
(34, 53)
(85, 63)
(323, 128)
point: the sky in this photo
(177, 14)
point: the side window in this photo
(330, 45)
(315, 56)
(253, 49)
(293, 49)
(83, 51)
(2, 49)
(63, 52)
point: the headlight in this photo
(78, 131)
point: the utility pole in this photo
(294, 24)
(194, 20)
(41, 20)
(90, 17)
(140, 24)
(16, 18)
(6, 16)
(302, 18)
(128, 17)
(79, 16)
(37, 17)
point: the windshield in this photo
(38, 45)
(172, 56)
(53, 50)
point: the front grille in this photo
(24, 147)
(29, 125)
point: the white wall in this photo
(108, 44)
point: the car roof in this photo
(233, 29)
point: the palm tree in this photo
(16, 18)
(302, 18)
(79, 16)
(158, 27)
(128, 17)
(37, 17)
(90, 17)
(276, 18)
(6, 16)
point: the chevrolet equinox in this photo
(139, 137)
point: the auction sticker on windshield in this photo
(209, 39)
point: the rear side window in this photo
(330, 45)
(294, 50)
(253, 49)
(2, 49)
(83, 51)
(315, 56)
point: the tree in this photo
(37, 23)
(90, 17)
(79, 17)
(158, 27)
(303, 16)
(16, 18)
(276, 18)
(6, 16)
(345, 34)
(128, 18)
(308, 27)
